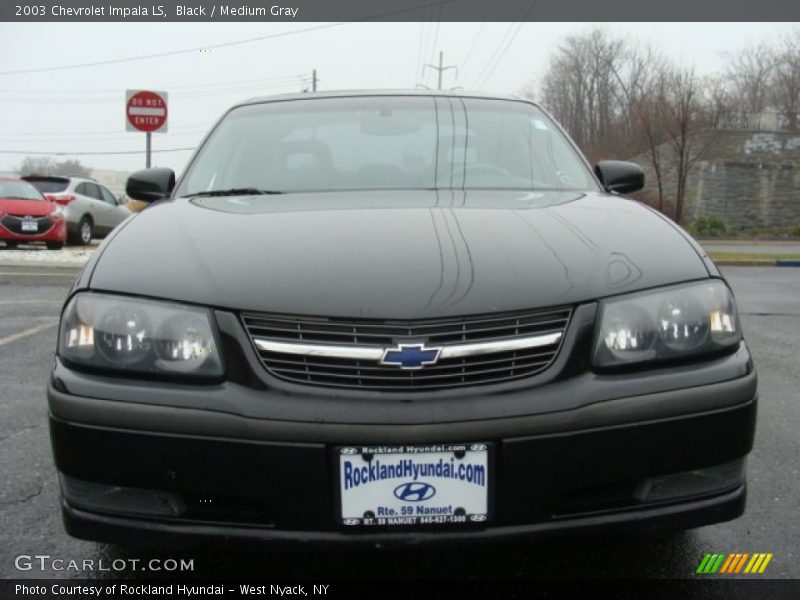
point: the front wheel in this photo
(85, 231)
(11, 245)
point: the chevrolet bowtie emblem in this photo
(410, 356)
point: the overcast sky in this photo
(82, 109)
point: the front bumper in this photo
(273, 479)
(56, 233)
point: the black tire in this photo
(85, 231)
(11, 245)
(55, 245)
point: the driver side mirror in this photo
(619, 176)
(149, 185)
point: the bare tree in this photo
(72, 168)
(786, 80)
(529, 90)
(44, 165)
(687, 119)
(36, 165)
(581, 91)
(618, 99)
(749, 73)
(767, 75)
(641, 81)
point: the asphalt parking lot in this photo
(30, 521)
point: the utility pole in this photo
(314, 81)
(148, 147)
(441, 69)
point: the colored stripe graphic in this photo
(766, 562)
(734, 563)
(711, 563)
(703, 563)
(718, 563)
(726, 566)
(758, 563)
(741, 562)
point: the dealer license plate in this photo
(414, 485)
(30, 225)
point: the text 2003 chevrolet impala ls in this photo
(397, 316)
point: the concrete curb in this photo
(744, 263)
(750, 242)
(780, 262)
(41, 264)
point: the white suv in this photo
(91, 209)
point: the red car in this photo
(27, 216)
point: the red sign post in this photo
(146, 111)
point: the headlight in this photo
(673, 323)
(143, 336)
(57, 212)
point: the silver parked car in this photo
(92, 210)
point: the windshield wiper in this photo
(234, 192)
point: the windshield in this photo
(50, 185)
(386, 142)
(19, 190)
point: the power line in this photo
(417, 71)
(435, 38)
(50, 92)
(435, 41)
(60, 153)
(116, 98)
(494, 54)
(195, 49)
(125, 136)
(186, 128)
(473, 45)
(520, 21)
(477, 35)
(419, 53)
(428, 31)
(490, 67)
(115, 61)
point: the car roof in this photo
(398, 92)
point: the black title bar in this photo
(287, 11)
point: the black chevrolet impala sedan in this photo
(397, 317)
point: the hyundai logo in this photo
(477, 518)
(414, 491)
(410, 356)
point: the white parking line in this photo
(23, 334)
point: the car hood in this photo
(395, 255)
(33, 208)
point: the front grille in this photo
(14, 224)
(484, 368)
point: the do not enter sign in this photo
(146, 111)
